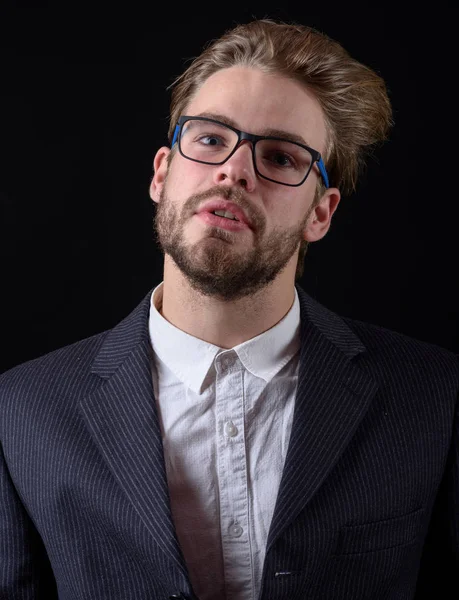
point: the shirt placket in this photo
(232, 476)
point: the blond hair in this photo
(353, 97)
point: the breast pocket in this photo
(380, 535)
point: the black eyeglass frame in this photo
(251, 137)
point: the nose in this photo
(238, 169)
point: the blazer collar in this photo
(133, 330)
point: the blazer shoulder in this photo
(390, 344)
(70, 362)
(69, 373)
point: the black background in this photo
(84, 107)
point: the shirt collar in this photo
(190, 358)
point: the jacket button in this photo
(178, 596)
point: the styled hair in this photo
(353, 97)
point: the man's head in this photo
(261, 78)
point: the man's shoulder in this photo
(396, 347)
(72, 361)
(373, 333)
(377, 341)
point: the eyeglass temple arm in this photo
(323, 172)
(176, 130)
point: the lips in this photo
(213, 205)
(222, 222)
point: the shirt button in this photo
(230, 429)
(235, 530)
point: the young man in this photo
(233, 438)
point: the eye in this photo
(280, 159)
(210, 140)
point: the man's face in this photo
(225, 264)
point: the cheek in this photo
(188, 177)
(288, 209)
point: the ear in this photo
(319, 220)
(160, 170)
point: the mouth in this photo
(226, 210)
(209, 218)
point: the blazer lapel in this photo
(333, 395)
(122, 418)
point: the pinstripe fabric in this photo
(369, 498)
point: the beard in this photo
(221, 264)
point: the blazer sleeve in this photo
(439, 571)
(25, 571)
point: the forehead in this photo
(256, 102)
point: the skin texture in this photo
(227, 287)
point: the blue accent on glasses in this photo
(176, 132)
(253, 138)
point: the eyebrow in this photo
(268, 132)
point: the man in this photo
(233, 438)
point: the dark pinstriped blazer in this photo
(368, 506)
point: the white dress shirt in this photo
(226, 418)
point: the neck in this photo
(223, 323)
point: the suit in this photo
(368, 505)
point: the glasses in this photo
(276, 159)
